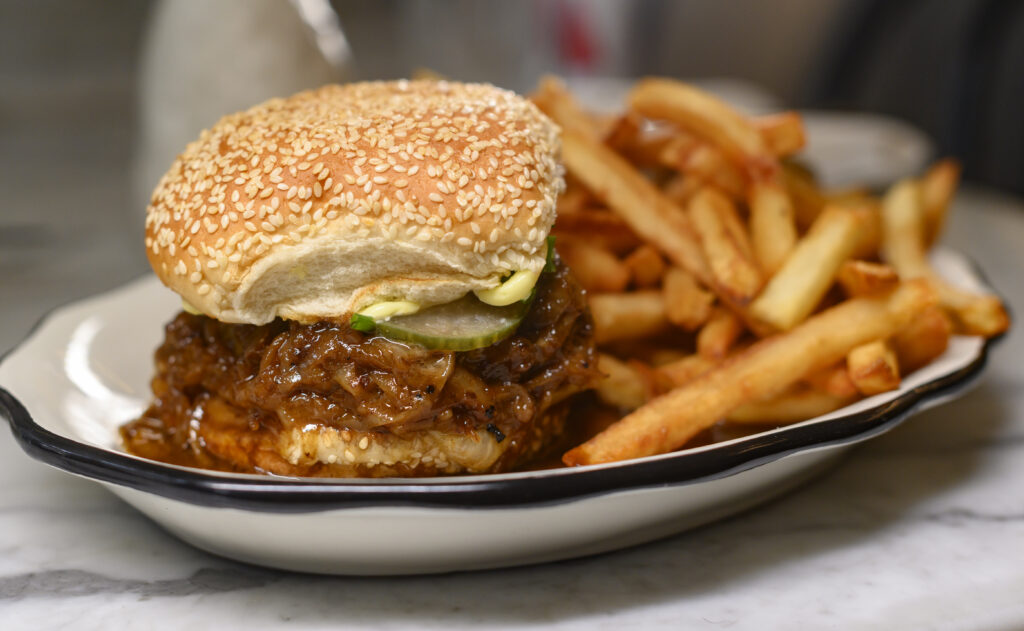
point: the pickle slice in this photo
(462, 325)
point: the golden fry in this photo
(622, 387)
(772, 225)
(686, 303)
(681, 189)
(863, 278)
(726, 250)
(937, 188)
(554, 99)
(600, 227)
(783, 132)
(704, 163)
(573, 201)
(717, 336)
(709, 118)
(763, 370)
(686, 369)
(789, 407)
(808, 200)
(628, 316)
(799, 286)
(684, 215)
(650, 214)
(646, 266)
(834, 380)
(593, 266)
(873, 368)
(663, 356)
(903, 246)
(628, 139)
(870, 213)
(923, 340)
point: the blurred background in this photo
(97, 96)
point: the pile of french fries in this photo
(726, 285)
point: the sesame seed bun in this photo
(314, 206)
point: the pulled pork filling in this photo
(275, 398)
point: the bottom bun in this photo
(329, 452)
(322, 399)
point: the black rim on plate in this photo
(292, 495)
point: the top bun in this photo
(314, 206)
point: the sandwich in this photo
(369, 288)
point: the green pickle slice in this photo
(462, 325)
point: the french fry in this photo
(974, 314)
(574, 200)
(849, 197)
(686, 303)
(762, 371)
(772, 225)
(937, 188)
(870, 213)
(594, 267)
(686, 369)
(602, 123)
(627, 138)
(863, 278)
(624, 133)
(709, 118)
(808, 201)
(726, 250)
(628, 316)
(664, 356)
(695, 158)
(903, 246)
(622, 386)
(789, 407)
(717, 336)
(799, 286)
(600, 227)
(923, 340)
(655, 382)
(681, 189)
(783, 132)
(834, 380)
(903, 243)
(554, 99)
(734, 225)
(651, 207)
(650, 214)
(873, 368)
(646, 266)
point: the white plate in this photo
(859, 149)
(85, 370)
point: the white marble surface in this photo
(922, 528)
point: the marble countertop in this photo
(922, 528)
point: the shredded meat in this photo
(226, 394)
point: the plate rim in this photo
(305, 495)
